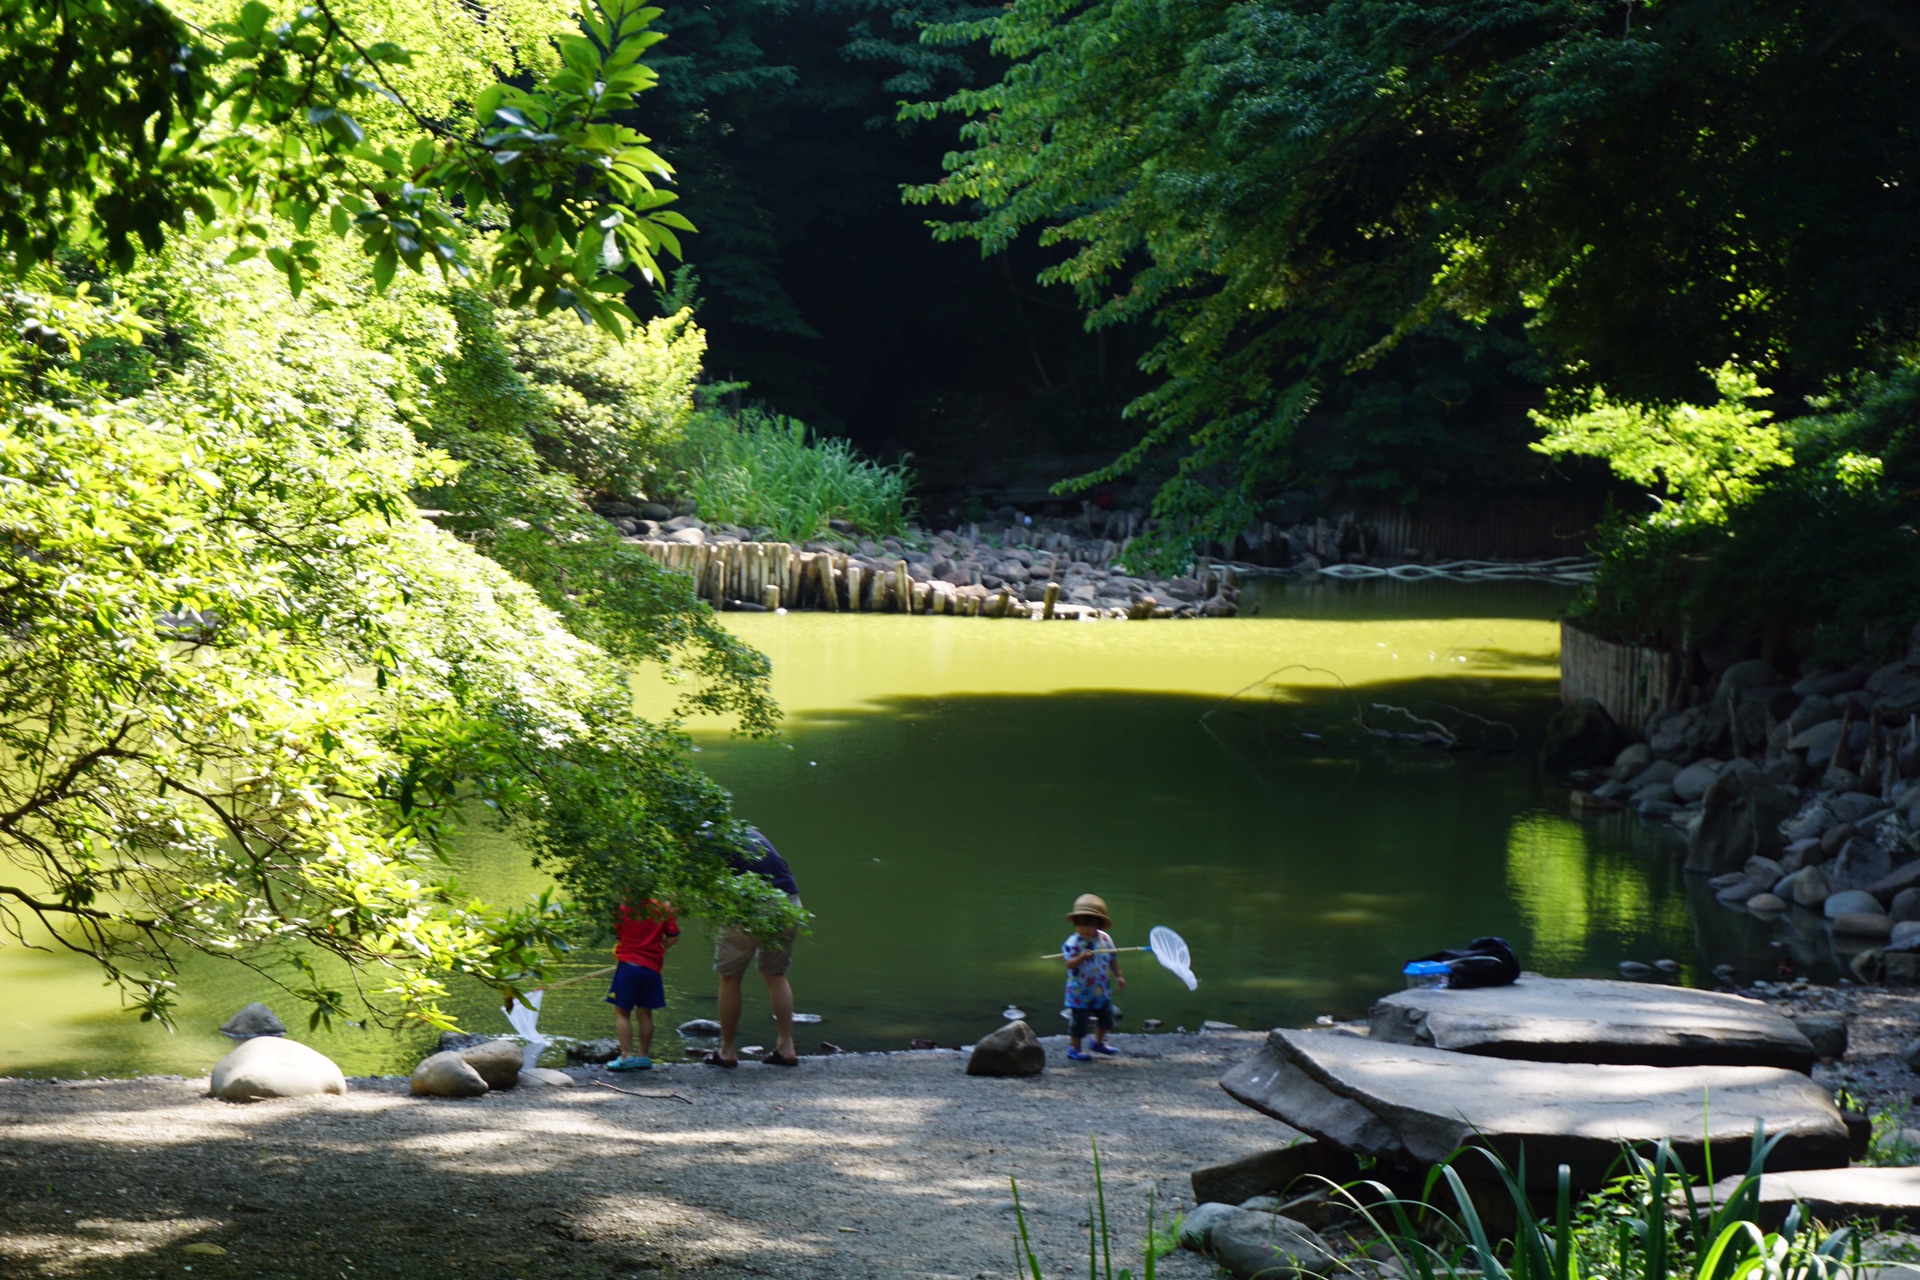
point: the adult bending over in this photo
(735, 949)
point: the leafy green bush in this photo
(764, 469)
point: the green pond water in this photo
(947, 786)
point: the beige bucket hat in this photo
(1090, 904)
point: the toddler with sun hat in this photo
(1093, 974)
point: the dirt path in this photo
(876, 1166)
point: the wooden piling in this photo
(823, 570)
(770, 597)
(902, 584)
(1052, 598)
(856, 601)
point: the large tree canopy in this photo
(1290, 189)
(249, 696)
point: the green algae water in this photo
(946, 787)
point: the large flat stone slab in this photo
(1890, 1197)
(1593, 1020)
(1412, 1106)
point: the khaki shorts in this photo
(734, 949)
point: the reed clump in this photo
(764, 470)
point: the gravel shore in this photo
(864, 1165)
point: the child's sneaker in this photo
(635, 1063)
(1103, 1048)
(1077, 1056)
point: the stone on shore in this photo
(1011, 1051)
(1595, 1020)
(546, 1077)
(699, 1027)
(1740, 820)
(1412, 1107)
(1249, 1242)
(267, 1066)
(1581, 733)
(1890, 1197)
(498, 1062)
(254, 1020)
(593, 1051)
(1272, 1172)
(447, 1075)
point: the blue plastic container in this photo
(1425, 973)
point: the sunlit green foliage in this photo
(1289, 190)
(1707, 458)
(121, 122)
(250, 696)
(766, 470)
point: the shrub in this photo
(767, 470)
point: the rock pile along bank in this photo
(1047, 569)
(1799, 799)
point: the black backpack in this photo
(1484, 962)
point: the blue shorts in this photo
(636, 987)
(1101, 1015)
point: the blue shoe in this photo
(1104, 1049)
(1077, 1056)
(635, 1063)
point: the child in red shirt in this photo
(641, 939)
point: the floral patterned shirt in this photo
(1087, 986)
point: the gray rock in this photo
(1272, 1172)
(1013, 1050)
(1582, 734)
(454, 1041)
(1826, 1032)
(593, 1051)
(447, 1075)
(1896, 689)
(1906, 876)
(1887, 1196)
(1766, 903)
(1411, 1107)
(681, 523)
(1739, 821)
(699, 1027)
(1813, 711)
(1911, 1055)
(1844, 901)
(1810, 823)
(1634, 759)
(1196, 1228)
(546, 1077)
(1247, 1243)
(253, 1020)
(1905, 906)
(1827, 684)
(497, 1061)
(1764, 869)
(1811, 887)
(1904, 936)
(690, 536)
(1859, 864)
(1795, 856)
(1635, 968)
(1658, 793)
(1691, 783)
(1838, 779)
(269, 1066)
(1862, 924)
(1836, 836)
(1594, 1020)
(1852, 806)
(1658, 773)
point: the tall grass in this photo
(1652, 1223)
(767, 470)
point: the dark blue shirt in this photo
(769, 866)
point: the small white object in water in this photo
(1013, 1014)
(806, 1017)
(1324, 1020)
(813, 764)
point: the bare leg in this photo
(623, 1030)
(643, 1026)
(780, 992)
(730, 1018)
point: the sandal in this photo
(717, 1061)
(779, 1061)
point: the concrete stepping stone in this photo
(1594, 1020)
(1890, 1197)
(1411, 1106)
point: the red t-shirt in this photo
(641, 938)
